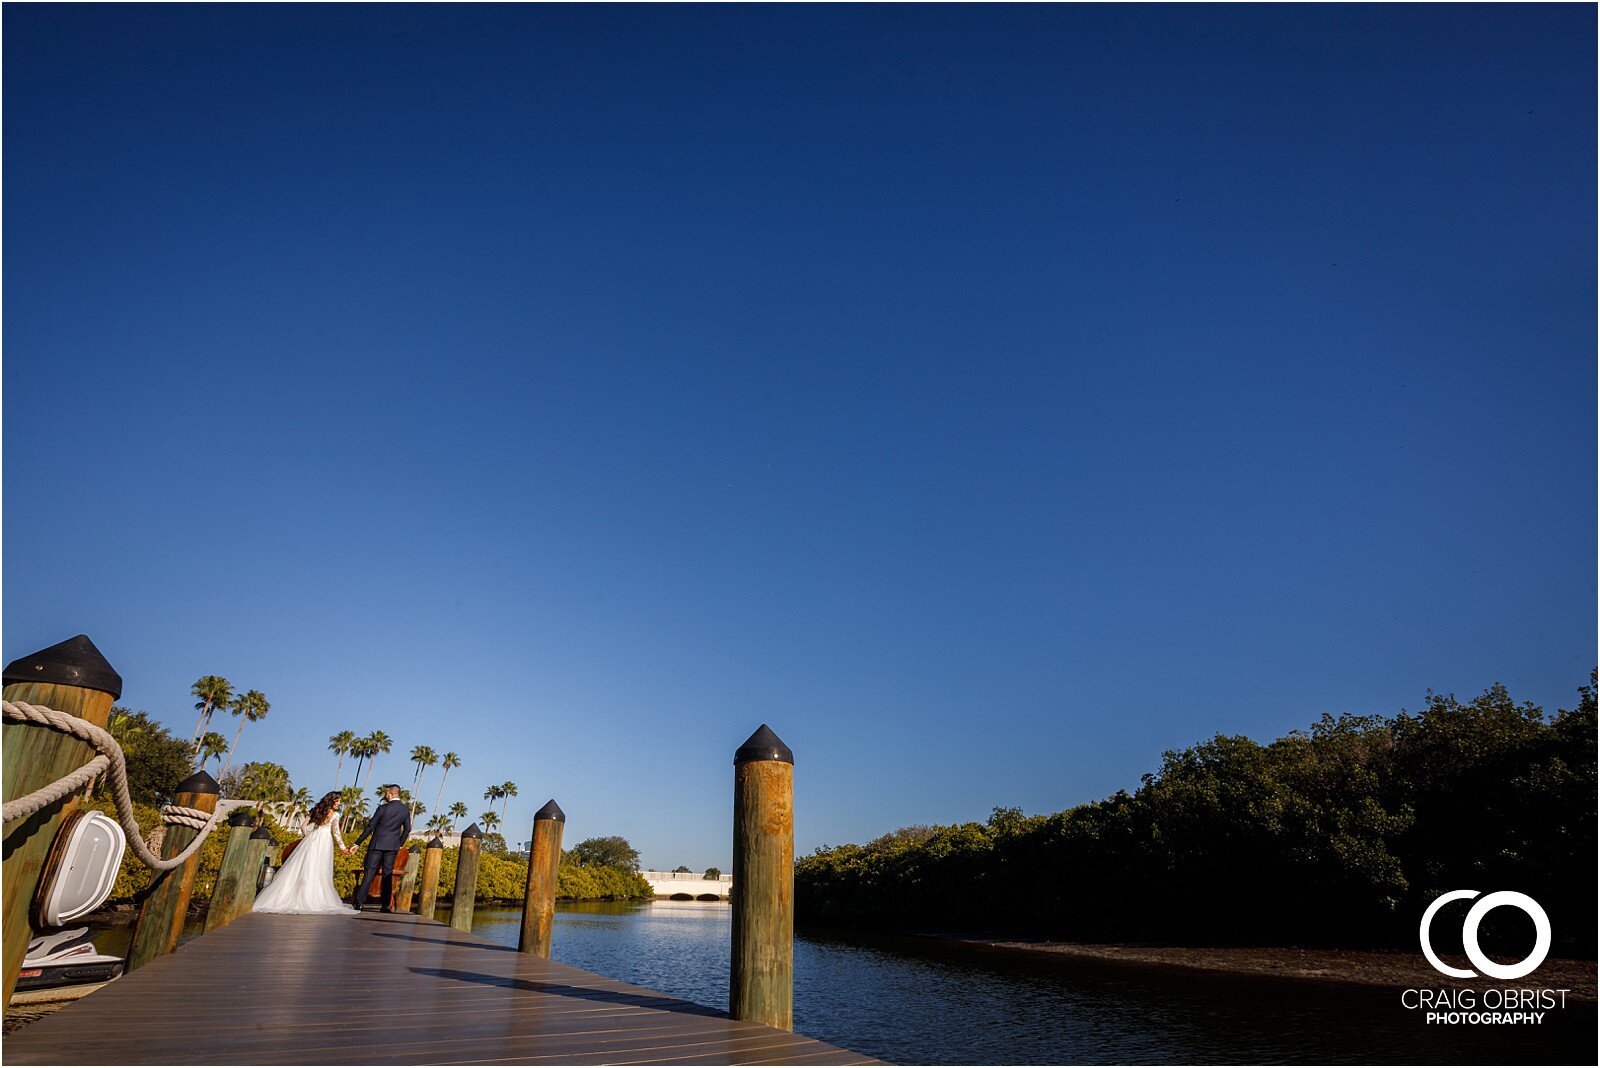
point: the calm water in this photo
(910, 1002)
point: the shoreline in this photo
(1347, 966)
(1365, 968)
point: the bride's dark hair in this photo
(319, 812)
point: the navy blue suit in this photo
(389, 827)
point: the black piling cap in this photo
(74, 662)
(241, 818)
(472, 832)
(200, 782)
(260, 833)
(763, 745)
(437, 843)
(551, 811)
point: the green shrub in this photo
(506, 879)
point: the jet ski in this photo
(79, 871)
(64, 958)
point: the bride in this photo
(305, 882)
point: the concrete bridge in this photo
(687, 886)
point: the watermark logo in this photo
(1469, 934)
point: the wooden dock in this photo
(397, 989)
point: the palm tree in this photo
(429, 761)
(377, 742)
(249, 707)
(418, 755)
(299, 803)
(417, 807)
(458, 811)
(438, 822)
(508, 790)
(353, 805)
(361, 749)
(355, 813)
(489, 820)
(448, 761)
(264, 783)
(493, 794)
(213, 692)
(423, 757)
(341, 744)
(212, 745)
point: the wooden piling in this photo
(466, 879)
(428, 893)
(235, 891)
(263, 853)
(761, 973)
(408, 882)
(544, 868)
(167, 904)
(69, 677)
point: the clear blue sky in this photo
(987, 398)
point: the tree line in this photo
(1339, 835)
(502, 876)
(602, 868)
(268, 783)
(214, 693)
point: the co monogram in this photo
(1469, 934)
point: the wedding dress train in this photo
(305, 882)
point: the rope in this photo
(110, 761)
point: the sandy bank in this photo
(1325, 965)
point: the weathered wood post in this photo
(761, 973)
(70, 677)
(408, 882)
(164, 910)
(235, 891)
(544, 868)
(263, 851)
(466, 879)
(432, 860)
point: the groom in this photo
(389, 827)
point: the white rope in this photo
(110, 761)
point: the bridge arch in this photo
(687, 886)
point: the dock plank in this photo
(324, 989)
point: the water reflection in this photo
(910, 1001)
(915, 1002)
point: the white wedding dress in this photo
(305, 882)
